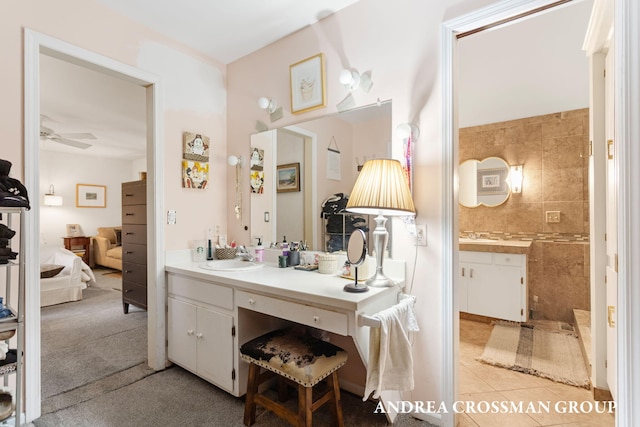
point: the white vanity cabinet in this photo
(493, 285)
(201, 329)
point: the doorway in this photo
(36, 44)
(482, 20)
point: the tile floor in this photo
(480, 382)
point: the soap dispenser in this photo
(259, 251)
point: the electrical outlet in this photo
(421, 235)
(553, 216)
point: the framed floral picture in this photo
(288, 178)
(91, 196)
(307, 79)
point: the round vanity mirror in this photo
(356, 255)
(483, 182)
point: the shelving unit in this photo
(14, 322)
(337, 240)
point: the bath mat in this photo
(547, 353)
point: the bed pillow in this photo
(50, 270)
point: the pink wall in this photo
(191, 102)
(400, 45)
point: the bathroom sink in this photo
(230, 265)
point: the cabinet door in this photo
(215, 347)
(181, 333)
(495, 291)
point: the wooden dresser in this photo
(134, 244)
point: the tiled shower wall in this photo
(554, 151)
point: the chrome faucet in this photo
(244, 253)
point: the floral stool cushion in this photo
(301, 358)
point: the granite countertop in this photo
(498, 246)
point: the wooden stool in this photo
(302, 359)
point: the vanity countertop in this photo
(498, 246)
(285, 283)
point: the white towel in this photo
(390, 359)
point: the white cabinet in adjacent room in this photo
(493, 285)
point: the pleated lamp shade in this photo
(381, 189)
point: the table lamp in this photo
(381, 189)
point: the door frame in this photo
(36, 43)
(627, 105)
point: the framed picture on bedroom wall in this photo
(91, 196)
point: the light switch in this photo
(171, 217)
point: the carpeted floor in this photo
(94, 374)
(549, 353)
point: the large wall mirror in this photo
(484, 182)
(324, 155)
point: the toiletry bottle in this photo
(285, 247)
(209, 251)
(259, 251)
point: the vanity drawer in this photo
(508, 259)
(201, 291)
(477, 257)
(305, 314)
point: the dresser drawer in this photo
(134, 234)
(300, 313)
(134, 214)
(201, 291)
(134, 193)
(136, 273)
(134, 252)
(134, 293)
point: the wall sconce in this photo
(271, 106)
(351, 79)
(516, 177)
(50, 199)
(267, 104)
(406, 130)
(238, 163)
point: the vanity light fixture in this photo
(381, 189)
(351, 79)
(271, 106)
(50, 199)
(516, 177)
(235, 160)
(267, 104)
(406, 130)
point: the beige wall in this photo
(194, 96)
(554, 150)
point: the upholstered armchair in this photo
(107, 248)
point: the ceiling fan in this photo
(66, 138)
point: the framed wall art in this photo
(307, 79)
(492, 181)
(288, 178)
(91, 196)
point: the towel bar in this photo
(372, 322)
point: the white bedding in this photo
(69, 283)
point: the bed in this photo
(68, 284)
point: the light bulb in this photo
(232, 160)
(267, 104)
